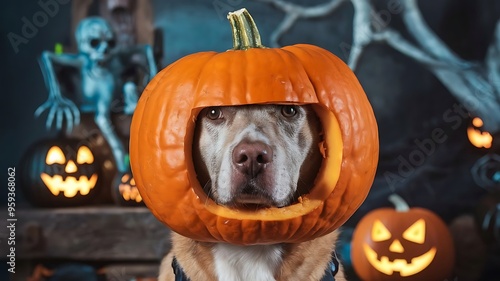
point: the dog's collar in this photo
(330, 272)
(179, 274)
(332, 269)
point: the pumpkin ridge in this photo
(154, 96)
(137, 119)
(202, 72)
(353, 149)
(298, 62)
(343, 182)
(339, 216)
(203, 226)
(306, 226)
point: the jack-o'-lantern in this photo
(60, 173)
(402, 244)
(126, 192)
(163, 126)
(477, 136)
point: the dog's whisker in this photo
(207, 188)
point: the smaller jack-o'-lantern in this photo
(402, 244)
(126, 192)
(478, 137)
(60, 173)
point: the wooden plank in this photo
(112, 272)
(119, 272)
(91, 233)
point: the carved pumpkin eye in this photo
(84, 155)
(416, 232)
(380, 232)
(55, 155)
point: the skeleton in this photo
(95, 40)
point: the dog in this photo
(254, 156)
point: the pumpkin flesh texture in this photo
(163, 126)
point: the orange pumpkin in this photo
(402, 244)
(163, 125)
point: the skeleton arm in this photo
(151, 61)
(147, 52)
(58, 106)
(130, 91)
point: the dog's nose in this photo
(251, 157)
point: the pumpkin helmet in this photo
(163, 126)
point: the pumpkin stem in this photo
(245, 32)
(399, 203)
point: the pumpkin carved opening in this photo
(326, 179)
(217, 117)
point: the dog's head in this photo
(256, 156)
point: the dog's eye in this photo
(289, 110)
(214, 113)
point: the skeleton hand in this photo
(60, 108)
(130, 97)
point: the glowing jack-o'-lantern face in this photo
(415, 233)
(402, 245)
(60, 173)
(74, 181)
(478, 137)
(126, 192)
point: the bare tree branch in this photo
(399, 43)
(294, 12)
(362, 31)
(475, 85)
(493, 60)
(422, 33)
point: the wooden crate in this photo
(128, 242)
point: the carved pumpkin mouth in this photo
(402, 266)
(69, 186)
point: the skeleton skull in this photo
(95, 38)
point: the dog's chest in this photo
(239, 263)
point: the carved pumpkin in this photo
(126, 192)
(60, 173)
(476, 135)
(402, 244)
(163, 126)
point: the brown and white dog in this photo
(254, 156)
